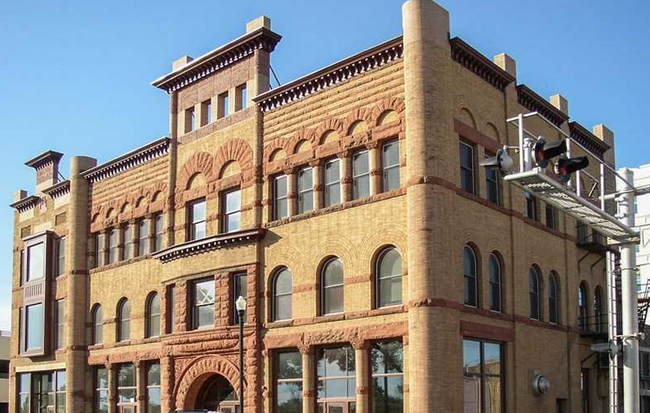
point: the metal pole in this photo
(611, 324)
(629, 302)
(241, 361)
(521, 143)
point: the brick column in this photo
(112, 388)
(361, 358)
(318, 184)
(374, 163)
(346, 176)
(181, 306)
(308, 379)
(141, 385)
(167, 402)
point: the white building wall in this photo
(642, 221)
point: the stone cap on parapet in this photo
(534, 102)
(130, 160)
(587, 139)
(44, 159)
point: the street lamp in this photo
(240, 305)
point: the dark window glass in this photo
(533, 293)
(582, 307)
(153, 316)
(223, 106)
(282, 291)
(35, 262)
(98, 240)
(390, 165)
(129, 242)
(305, 190)
(495, 283)
(332, 172)
(60, 256)
(551, 216)
(124, 321)
(126, 387)
(59, 324)
(143, 234)
(336, 374)
(204, 303)
(242, 99)
(288, 391)
(483, 385)
(387, 365)
(584, 389)
(598, 311)
(171, 305)
(470, 277)
(531, 206)
(280, 204)
(389, 278)
(360, 175)
(553, 299)
(197, 220)
(241, 289)
(101, 390)
(4, 369)
(493, 185)
(158, 239)
(113, 252)
(232, 211)
(34, 327)
(98, 325)
(332, 287)
(153, 388)
(467, 167)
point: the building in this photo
(384, 270)
(642, 221)
(4, 371)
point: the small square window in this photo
(206, 112)
(223, 106)
(190, 120)
(241, 97)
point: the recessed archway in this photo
(198, 380)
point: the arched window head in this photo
(470, 277)
(332, 292)
(495, 283)
(553, 299)
(124, 320)
(533, 292)
(282, 290)
(98, 325)
(583, 309)
(389, 278)
(153, 315)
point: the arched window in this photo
(470, 276)
(495, 283)
(598, 310)
(389, 278)
(553, 299)
(98, 324)
(332, 301)
(153, 315)
(533, 293)
(282, 289)
(124, 320)
(582, 306)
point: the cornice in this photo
(534, 102)
(587, 139)
(58, 189)
(208, 244)
(480, 65)
(331, 75)
(217, 59)
(130, 160)
(44, 159)
(26, 204)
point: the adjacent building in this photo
(4, 371)
(384, 269)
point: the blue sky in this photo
(75, 75)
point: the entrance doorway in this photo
(217, 394)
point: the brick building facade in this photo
(384, 270)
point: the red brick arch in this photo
(200, 162)
(331, 124)
(358, 114)
(191, 380)
(385, 105)
(302, 135)
(234, 150)
(269, 150)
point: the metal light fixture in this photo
(502, 160)
(540, 385)
(240, 305)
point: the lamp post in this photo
(240, 304)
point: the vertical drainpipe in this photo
(77, 306)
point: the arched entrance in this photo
(217, 394)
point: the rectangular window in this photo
(101, 390)
(280, 204)
(336, 378)
(153, 388)
(390, 165)
(466, 167)
(482, 371)
(223, 107)
(387, 366)
(551, 216)
(305, 190)
(34, 327)
(241, 289)
(190, 120)
(241, 97)
(47, 392)
(113, 251)
(288, 382)
(206, 112)
(232, 211)
(159, 229)
(143, 237)
(22, 267)
(129, 242)
(584, 389)
(332, 172)
(360, 175)
(60, 256)
(59, 324)
(531, 206)
(493, 185)
(644, 362)
(4, 369)
(98, 247)
(197, 220)
(203, 303)
(59, 387)
(126, 387)
(35, 262)
(171, 305)
(24, 386)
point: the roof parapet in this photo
(560, 103)
(506, 63)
